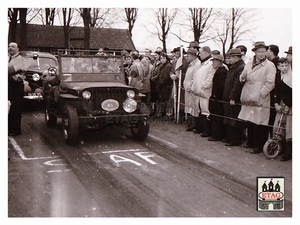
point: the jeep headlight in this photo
(130, 94)
(35, 77)
(86, 94)
(129, 105)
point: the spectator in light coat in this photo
(202, 87)
(191, 107)
(259, 80)
(136, 72)
(146, 84)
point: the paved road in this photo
(108, 174)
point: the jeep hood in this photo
(83, 85)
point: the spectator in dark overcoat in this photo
(215, 104)
(163, 84)
(16, 78)
(231, 95)
(272, 55)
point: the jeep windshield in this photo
(39, 63)
(91, 68)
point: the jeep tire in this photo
(50, 118)
(141, 129)
(70, 125)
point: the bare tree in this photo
(13, 21)
(67, 14)
(23, 31)
(130, 17)
(50, 15)
(165, 19)
(100, 17)
(86, 17)
(201, 20)
(235, 25)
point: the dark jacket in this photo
(272, 93)
(215, 104)
(164, 82)
(282, 92)
(232, 91)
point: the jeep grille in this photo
(101, 94)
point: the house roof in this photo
(53, 37)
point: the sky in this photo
(272, 25)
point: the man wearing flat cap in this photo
(191, 107)
(231, 95)
(215, 104)
(259, 80)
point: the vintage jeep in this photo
(89, 92)
(37, 64)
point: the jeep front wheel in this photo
(141, 129)
(70, 125)
(50, 118)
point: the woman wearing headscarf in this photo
(163, 83)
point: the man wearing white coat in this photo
(202, 88)
(190, 100)
(258, 77)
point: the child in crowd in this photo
(283, 104)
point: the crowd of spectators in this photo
(226, 98)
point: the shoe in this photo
(213, 139)
(191, 127)
(224, 140)
(204, 135)
(196, 131)
(232, 144)
(255, 151)
(247, 146)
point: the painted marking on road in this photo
(58, 171)
(54, 162)
(21, 153)
(167, 143)
(117, 159)
(146, 157)
(113, 151)
(125, 150)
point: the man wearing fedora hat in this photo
(231, 95)
(191, 103)
(195, 45)
(215, 104)
(259, 80)
(202, 87)
(289, 55)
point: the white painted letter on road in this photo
(145, 157)
(118, 159)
